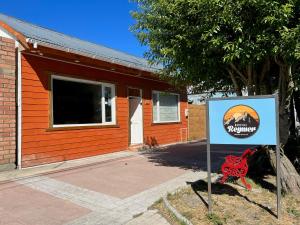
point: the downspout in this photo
(19, 107)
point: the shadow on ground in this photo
(221, 189)
(193, 156)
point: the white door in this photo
(136, 120)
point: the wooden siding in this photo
(197, 122)
(42, 145)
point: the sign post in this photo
(278, 172)
(252, 120)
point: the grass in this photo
(232, 204)
(215, 219)
(169, 216)
(294, 212)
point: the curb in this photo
(175, 212)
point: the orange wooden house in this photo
(62, 98)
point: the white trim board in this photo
(87, 81)
(5, 34)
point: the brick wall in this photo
(7, 104)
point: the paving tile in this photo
(21, 205)
(111, 193)
(151, 217)
(120, 178)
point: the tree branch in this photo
(264, 70)
(278, 62)
(239, 73)
(235, 83)
(250, 80)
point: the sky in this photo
(104, 22)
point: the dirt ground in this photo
(233, 204)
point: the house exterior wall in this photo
(42, 144)
(7, 102)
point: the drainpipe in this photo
(19, 108)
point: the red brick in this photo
(8, 57)
(3, 52)
(7, 40)
(8, 103)
(3, 89)
(7, 48)
(4, 161)
(8, 94)
(4, 134)
(4, 152)
(2, 116)
(11, 54)
(13, 150)
(8, 138)
(9, 112)
(8, 148)
(8, 77)
(4, 143)
(9, 156)
(12, 160)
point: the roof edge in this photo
(19, 36)
(97, 57)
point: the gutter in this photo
(20, 45)
(133, 65)
(19, 107)
(92, 67)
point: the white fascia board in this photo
(4, 33)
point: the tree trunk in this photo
(297, 102)
(237, 87)
(293, 133)
(290, 180)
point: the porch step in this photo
(135, 148)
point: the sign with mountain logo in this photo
(237, 122)
(245, 120)
(241, 121)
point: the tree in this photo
(237, 44)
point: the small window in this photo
(81, 102)
(165, 107)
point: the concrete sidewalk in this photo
(104, 190)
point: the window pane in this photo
(168, 107)
(155, 99)
(76, 103)
(108, 107)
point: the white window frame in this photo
(158, 109)
(113, 101)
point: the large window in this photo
(165, 107)
(82, 102)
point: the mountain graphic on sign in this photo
(241, 118)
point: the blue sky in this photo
(104, 22)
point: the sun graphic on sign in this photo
(240, 109)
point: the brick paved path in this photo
(108, 193)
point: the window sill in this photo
(82, 127)
(165, 123)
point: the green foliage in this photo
(215, 219)
(294, 212)
(197, 40)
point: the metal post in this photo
(208, 159)
(278, 173)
